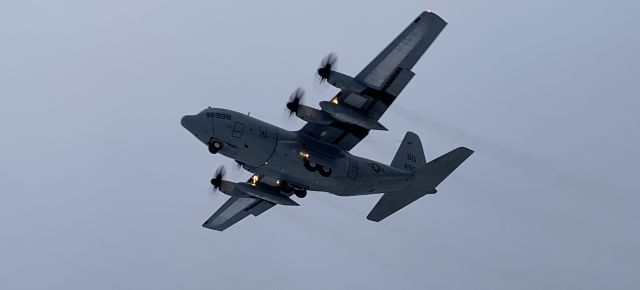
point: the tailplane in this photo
(428, 176)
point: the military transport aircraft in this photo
(316, 157)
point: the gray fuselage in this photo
(275, 154)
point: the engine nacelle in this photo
(256, 190)
(331, 111)
(345, 82)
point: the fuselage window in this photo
(238, 129)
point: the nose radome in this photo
(190, 122)
(199, 126)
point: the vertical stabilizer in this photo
(410, 155)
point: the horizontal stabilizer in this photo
(427, 178)
(392, 202)
(432, 174)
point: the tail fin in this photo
(410, 155)
(428, 177)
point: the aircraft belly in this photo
(286, 164)
(247, 139)
(351, 175)
(374, 177)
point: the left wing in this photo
(246, 198)
(371, 92)
(234, 210)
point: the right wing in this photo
(382, 79)
(234, 210)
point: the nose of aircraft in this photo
(188, 122)
(199, 126)
(193, 124)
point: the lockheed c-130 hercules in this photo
(316, 157)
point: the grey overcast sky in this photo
(101, 188)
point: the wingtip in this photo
(374, 219)
(465, 149)
(433, 14)
(429, 11)
(207, 225)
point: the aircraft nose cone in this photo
(192, 124)
(199, 126)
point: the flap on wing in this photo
(234, 210)
(404, 51)
(260, 207)
(229, 213)
(397, 82)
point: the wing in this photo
(403, 52)
(234, 210)
(383, 79)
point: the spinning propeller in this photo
(327, 64)
(294, 101)
(216, 181)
